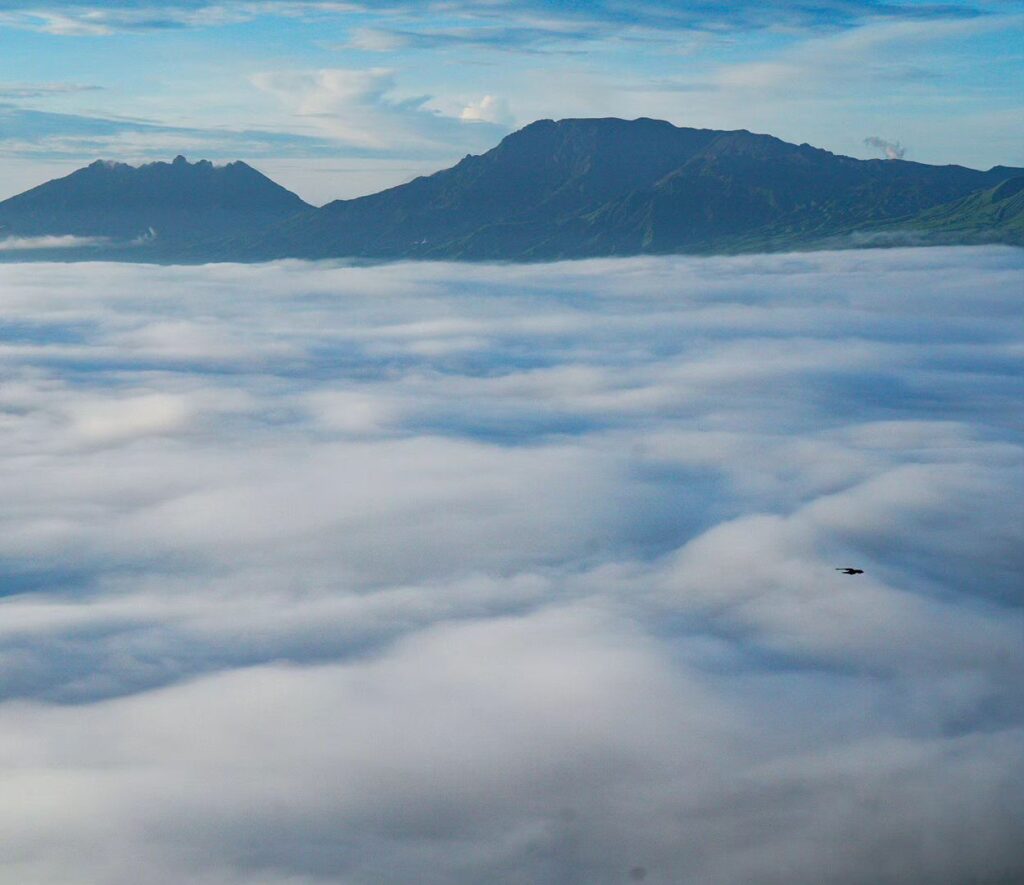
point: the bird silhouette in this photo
(851, 571)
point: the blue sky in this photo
(339, 98)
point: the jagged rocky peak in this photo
(108, 164)
(181, 162)
(184, 201)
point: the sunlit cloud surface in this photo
(518, 574)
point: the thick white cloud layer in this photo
(525, 574)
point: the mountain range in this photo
(566, 189)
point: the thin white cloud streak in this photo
(100, 19)
(876, 53)
(43, 90)
(27, 244)
(358, 108)
(445, 573)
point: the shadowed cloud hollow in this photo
(441, 573)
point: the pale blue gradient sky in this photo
(336, 99)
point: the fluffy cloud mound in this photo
(318, 573)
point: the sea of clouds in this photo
(434, 573)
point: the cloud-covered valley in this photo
(316, 573)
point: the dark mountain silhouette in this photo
(566, 189)
(613, 187)
(163, 206)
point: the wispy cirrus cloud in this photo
(91, 19)
(13, 91)
(551, 39)
(358, 108)
(882, 53)
(28, 132)
(97, 18)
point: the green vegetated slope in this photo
(995, 215)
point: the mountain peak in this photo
(555, 188)
(176, 199)
(179, 164)
(608, 186)
(107, 164)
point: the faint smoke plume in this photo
(891, 150)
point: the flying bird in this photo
(851, 571)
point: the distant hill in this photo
(566, 189)
(995, 215)
(160, 206)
